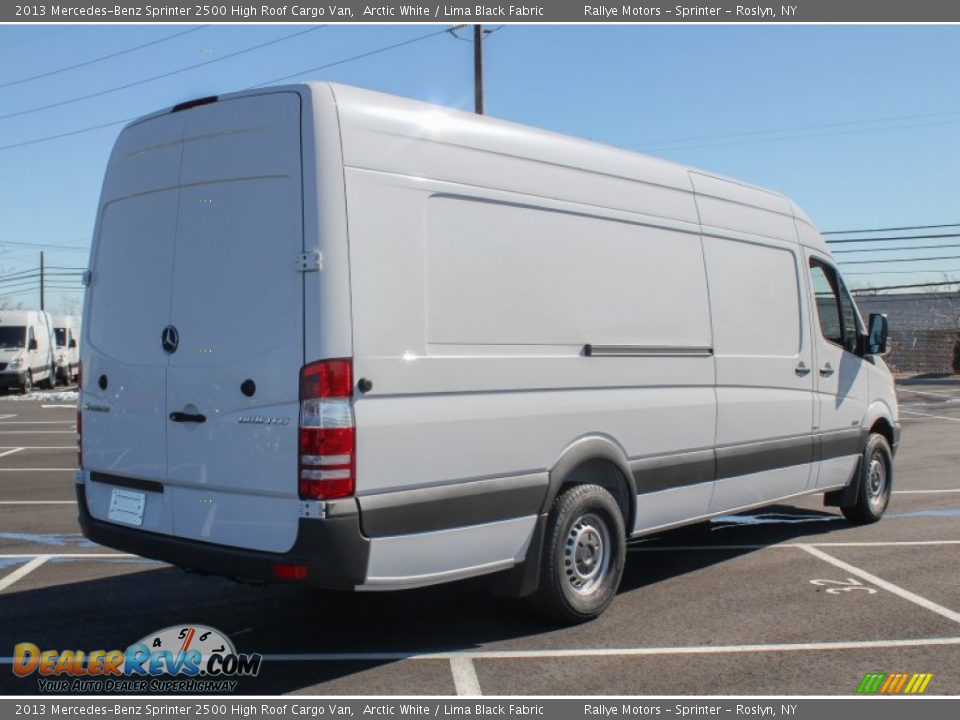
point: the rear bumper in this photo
(334, 550)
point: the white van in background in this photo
(66, 335)
(342, 338)
(26, 350)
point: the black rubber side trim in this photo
(767, 455)
(671, 471)
(126, 482)
(842, 443)
(449, 506)
(334, 550)
(194, 103)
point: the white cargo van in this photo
(356, 341)
(66, 333)
(26, 350)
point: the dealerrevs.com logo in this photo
(186, 659)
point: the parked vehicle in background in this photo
(26, 350)
(356, 341)
(66, 335)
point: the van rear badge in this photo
(170, 339)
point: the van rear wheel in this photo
(583, 555)
(875, 482)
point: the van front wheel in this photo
(875, 482)
(583, 555)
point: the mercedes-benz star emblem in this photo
(170, 339)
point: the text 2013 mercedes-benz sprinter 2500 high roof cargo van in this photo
(362, 342)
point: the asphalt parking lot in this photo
(786, 600)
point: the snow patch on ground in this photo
(46, 396)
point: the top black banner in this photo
(462, 12)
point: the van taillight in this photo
(327, 434)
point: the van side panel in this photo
(458, 286)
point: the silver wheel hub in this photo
(586, 554)
(876, 481)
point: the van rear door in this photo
(237, 305)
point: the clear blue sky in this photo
(726, 98)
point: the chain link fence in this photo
(924, 331)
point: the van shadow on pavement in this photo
(113, 612)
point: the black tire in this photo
(27, 384)
(583, 555)
(50, 382)
(874, 482)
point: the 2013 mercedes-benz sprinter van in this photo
(361, 342)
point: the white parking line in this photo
(465, 678)
(609, 652)
(930, 392)
(881, 583)
(37, 470)
(7, 415)
(927, 415)
(10, 452)
(40, 447)
(36, 432)
(925, 492)
(72, 407)
(881, 543)
(14, 556)
(22, 572)
(37, 422)
(38, 502)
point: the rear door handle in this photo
(802, 370)
(188, 417)
(826, 370)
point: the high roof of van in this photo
(363, 113)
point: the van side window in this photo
(835, 308)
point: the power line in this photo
(890, 229)
(897, 249)
(125, 86)
(101, 58)
(900, 260)
(860, 291)
(359, 56)
(893, 239)
(913, 271)
(38, 246)
(122, 121)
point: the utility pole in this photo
(478, 68)
(41, 280)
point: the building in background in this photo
(924, 329)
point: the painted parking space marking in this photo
(41, 432)
(47, 407)
(465, 678)
(7, 415)
(876, 543)
(881, 583)
(38, 502)
(926, 492)
(23, 571)
(608, 652)
(934, 393)
(927, 415)
(10, 452)
(13, 470)
(37, 422)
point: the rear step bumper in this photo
(333, 549)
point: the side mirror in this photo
(73, 343)
(876, 340)
(32, 345)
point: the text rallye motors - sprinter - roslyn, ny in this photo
(362, 342)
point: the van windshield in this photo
(12, 336)
(61, 334)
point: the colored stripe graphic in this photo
(894, 683)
